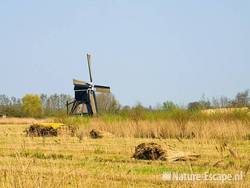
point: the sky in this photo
(147, 51)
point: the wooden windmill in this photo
(85, 95)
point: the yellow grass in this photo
(70, 162)
(54, 125)
(21, 120)
(171, 129)
(225, 110)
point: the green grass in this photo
(41, 155)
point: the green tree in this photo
(32, 105)
(169, 106)
(195, 106)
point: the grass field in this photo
(66, 161)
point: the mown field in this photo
(80, 161)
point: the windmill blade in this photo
(93, 102)
(102, 89)
(79, 82)
(89, 65)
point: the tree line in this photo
(34, 105)
(55, 105)
(241, 99)
(49, 105)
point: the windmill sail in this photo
(102, 89)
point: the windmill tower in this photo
(85, 102)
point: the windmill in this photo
(85, 95)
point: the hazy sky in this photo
(146, 50)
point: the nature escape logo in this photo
(173, 176)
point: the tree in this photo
(195, 106)
(225, 102)
(4, 100)
(55, 104)
(199, 105)
(32, 105)
(107, 103)
(10, 106)
(169, 106)
(241, 99)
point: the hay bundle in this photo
(149, 151)
(99, 134)
(50, 129)
(39, 130)
(153, 151)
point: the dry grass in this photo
(171, 129)
(18, 121)
(226, 110)
(72, 162)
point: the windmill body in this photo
(85, 95)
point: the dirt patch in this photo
(149, 151)
(38, 130)
(99, 134)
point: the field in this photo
(80, 161)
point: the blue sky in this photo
(147, 51)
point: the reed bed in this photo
(172, 129)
